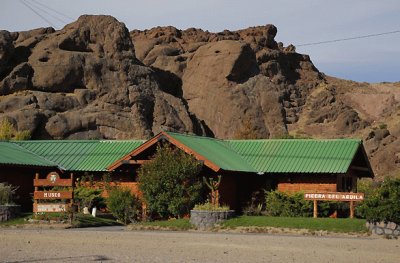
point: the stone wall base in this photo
(207, 219)
(389, 229)
(8, 212)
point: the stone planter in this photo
(204, 219)
(389, 229)
(8, 212)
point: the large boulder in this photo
(84, 81)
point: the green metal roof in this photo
(106, 153)
(214, 150)
(81, 155)
(275, 156)
(12, 154)
(298, 156)
(267, 156)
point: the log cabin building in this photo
(246, 166)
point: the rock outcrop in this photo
(95, 79)
(85, 81)
(230, 78)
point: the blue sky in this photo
(370, 59)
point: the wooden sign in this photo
(52, 195)
(335, 196)
(53, 179)
(50, 208)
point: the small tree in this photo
(87, 193)
(170, 183)
(123, 204)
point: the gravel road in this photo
(119, 245)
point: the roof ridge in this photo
(301, 140)
(194, 135)
(241, 156)
(133, 140)
(77, 141)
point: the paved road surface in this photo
(119, 245)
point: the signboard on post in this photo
(50, 208)
(338, 196)
(334, 196)
(52, 180)
(52, 195)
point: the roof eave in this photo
(156, 139)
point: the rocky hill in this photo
(95, 79)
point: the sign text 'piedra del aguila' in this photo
(337, 196)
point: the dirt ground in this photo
(116, 244)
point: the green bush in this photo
(289, 205)
(87, 193)
(123, 205)
(293, 205)
(383, 203)
(170, 183)
(207, 206)
(7, 194)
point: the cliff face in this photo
(85, 81)
(95, 79)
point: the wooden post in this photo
(35, 202)
(71, 201)
(315, 208)
(351, 209)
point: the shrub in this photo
(87, 194)
(7, 194)
(383, 203)
(288, 205)
(8, 132)
(170, 183)
(293, 205)
(208, 206)
(256, 204)
(383, 126)
(123, 205)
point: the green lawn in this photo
(17, 221)
(90, 221)
(80, 220)
(343, 225)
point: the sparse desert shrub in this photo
(8, 132)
